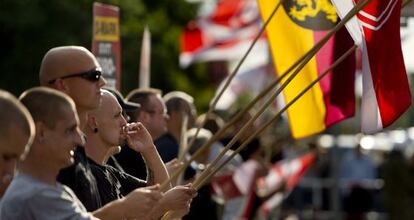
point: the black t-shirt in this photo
(131, 162)
(80, 179)
(113, 183)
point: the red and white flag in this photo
(223, 34)
(376, 30)
(224, 186)
(239, 182)
(288, 172)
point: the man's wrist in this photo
(149, 151)
(120, 208)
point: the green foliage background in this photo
(28, 28)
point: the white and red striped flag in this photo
(224, 33)
(286, 172)
(236, 183)
(376, 30)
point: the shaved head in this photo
(16, 136)
(46, 105)
(60, 70)
(13, 113)
(65, 60)
(14, 117)
(108, 101)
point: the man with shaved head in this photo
(16, 134)
(75, 71)
(35, 187)
(107, 129)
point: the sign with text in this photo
(106, 44)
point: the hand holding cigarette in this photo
(138, 137)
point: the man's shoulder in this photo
(24, 193)
(18, 192)
(80, 167)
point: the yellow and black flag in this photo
(293, 31)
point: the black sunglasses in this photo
(92, 75)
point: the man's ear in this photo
(143, 116)
(40, 134)
(175, 115)
(61, 85)
(92, 123)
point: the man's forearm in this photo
(112, 210)
(156, 170)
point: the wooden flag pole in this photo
(350, 14)
(405, 3)
(183, 149)
(183, 137)
(198, 184)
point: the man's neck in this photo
(176, 133)
(96, 149)
(39, 170)
(83, 119)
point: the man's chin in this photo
(123, 142)
(117, 150)
(69, 162)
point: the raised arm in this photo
(140, 140)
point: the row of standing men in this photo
(63, 135)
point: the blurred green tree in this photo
(31, 27)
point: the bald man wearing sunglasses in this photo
(75, 71)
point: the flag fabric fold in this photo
(376, 30)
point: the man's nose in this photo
(80, 138)
(102, 82)
(123, 120)
(10, 165)
(166, 116)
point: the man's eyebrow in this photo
(10, 156)
(72, 127)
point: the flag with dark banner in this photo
(106, 45)
(386, 92)
(296, 27)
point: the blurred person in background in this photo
(356, 171)
(178, 104)
(398, 189)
